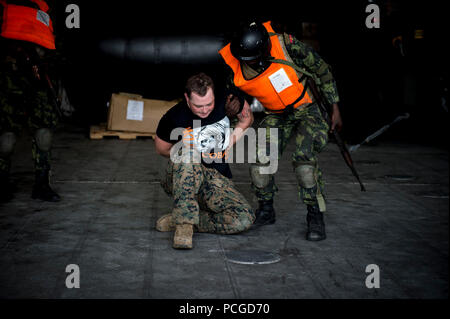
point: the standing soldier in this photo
(263, 67)
(24, 92)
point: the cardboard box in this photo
(132, 113)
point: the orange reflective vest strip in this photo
(42, 4)
(277, 87)
(28, 24)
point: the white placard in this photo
(135, 110)
(43, 17)
(280, 80)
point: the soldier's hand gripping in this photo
(232, 106)
(336, 120)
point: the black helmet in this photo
(251, 43)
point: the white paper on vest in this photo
(280, 80)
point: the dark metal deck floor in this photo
(112, 198)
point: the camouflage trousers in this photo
(34, 113)
(310, 132)
(207, 199)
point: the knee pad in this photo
(258, 179)
(7, 142)
(43, 137)
(305, 174)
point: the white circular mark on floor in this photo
(252, 257)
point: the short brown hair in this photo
(199, 83)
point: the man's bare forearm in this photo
(245, 121)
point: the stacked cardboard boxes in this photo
(131, 116)
(132, 113)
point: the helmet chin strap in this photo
(264, 63)
(254, 68)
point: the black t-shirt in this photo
(210, 135)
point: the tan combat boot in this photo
(165, 223)
(183, 236)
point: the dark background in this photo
(376, 83)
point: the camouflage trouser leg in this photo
(311, 136)
(310, 139)
(11, 120)
(205, 198)
(38, 113)
(41, 159)
(43, 115)
(228, 210)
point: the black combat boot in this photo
(265, 214)
(42, 189)
(316, 225)
(6, 188)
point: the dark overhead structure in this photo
(165, 50)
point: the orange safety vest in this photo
(277, 87)
(28, 24)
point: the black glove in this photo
(233, 106)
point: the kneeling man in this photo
(195, 135)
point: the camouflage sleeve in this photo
(230, 88)
(304, 56)
(229, 83)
